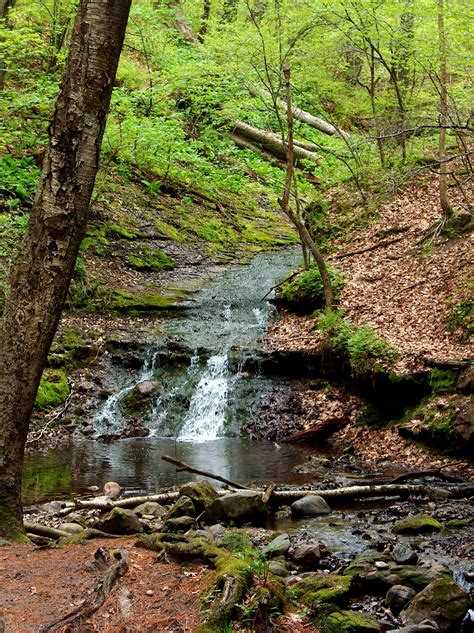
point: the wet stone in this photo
(71, 528)
(179, 524)
(398, 597)
(404, 555)
(310, 505)
(279, 545)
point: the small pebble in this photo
(149, 592)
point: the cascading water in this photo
(207, 399)
(206, 415)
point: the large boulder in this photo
(151, 509)
(307, 555)
(184, 507)
(202, 494)
(244, 506)
(443, 601)
(310, 506)
(179, 524)
(421, 524)
(119, 521)
(427, 626)
(398, 597)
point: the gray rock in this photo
(244, 506)
(150, 508)
(217, 532)
(52, 507)
(311, 505)
(4, 543)
(442, 600)
(278, 567)
(184, 507)
(179, 524)
(203, 535)
(202, 494)
(278, 546)
(71, 528)
(307, 555)
(404, 555)
(398, 597)
(119, 521)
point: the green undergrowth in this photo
(151, 260)
(304, 292)
(366, 351)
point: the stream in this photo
(193, 409)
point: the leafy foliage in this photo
(305, 291)
(367, 352)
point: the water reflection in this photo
(136, 464)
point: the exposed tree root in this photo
(99, 595)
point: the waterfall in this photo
(205, 418)
(110, 416)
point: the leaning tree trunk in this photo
(443, 112)
(44, 267)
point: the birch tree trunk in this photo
(41, 275)
(443, 112)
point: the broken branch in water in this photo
(191, 469)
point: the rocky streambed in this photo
(366, 565)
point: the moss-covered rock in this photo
(244, 506)
(184, 506)
(53, 389)
(202, 494)
(304, 292)
(348, 622)
(143, 303)
(443, 600)
(421, 524)
(119, 521)
(318, 592)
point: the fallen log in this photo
(272, 143)
(183, 466)
(319, 431)
(305, 117)
(244, 143)
(282, 497)
(99, 595)
(44, 530)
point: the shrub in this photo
(366, 351)
(305, 291)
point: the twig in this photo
(399, 292)
(289, 278)
(381, 244)
(183, 466)
(56, 416)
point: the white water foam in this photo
(205, 418)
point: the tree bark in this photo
(443, 113)
(40, 279)
(206, 11)
(272, 143)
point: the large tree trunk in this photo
(44, 267)
(272, 143)
(5, 6)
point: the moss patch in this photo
(53, 389)
(348, 622)
(422, 524)
(142, 303)
(152, 260)
(316, 593)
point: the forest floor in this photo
(403, 275)
(43, 585)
